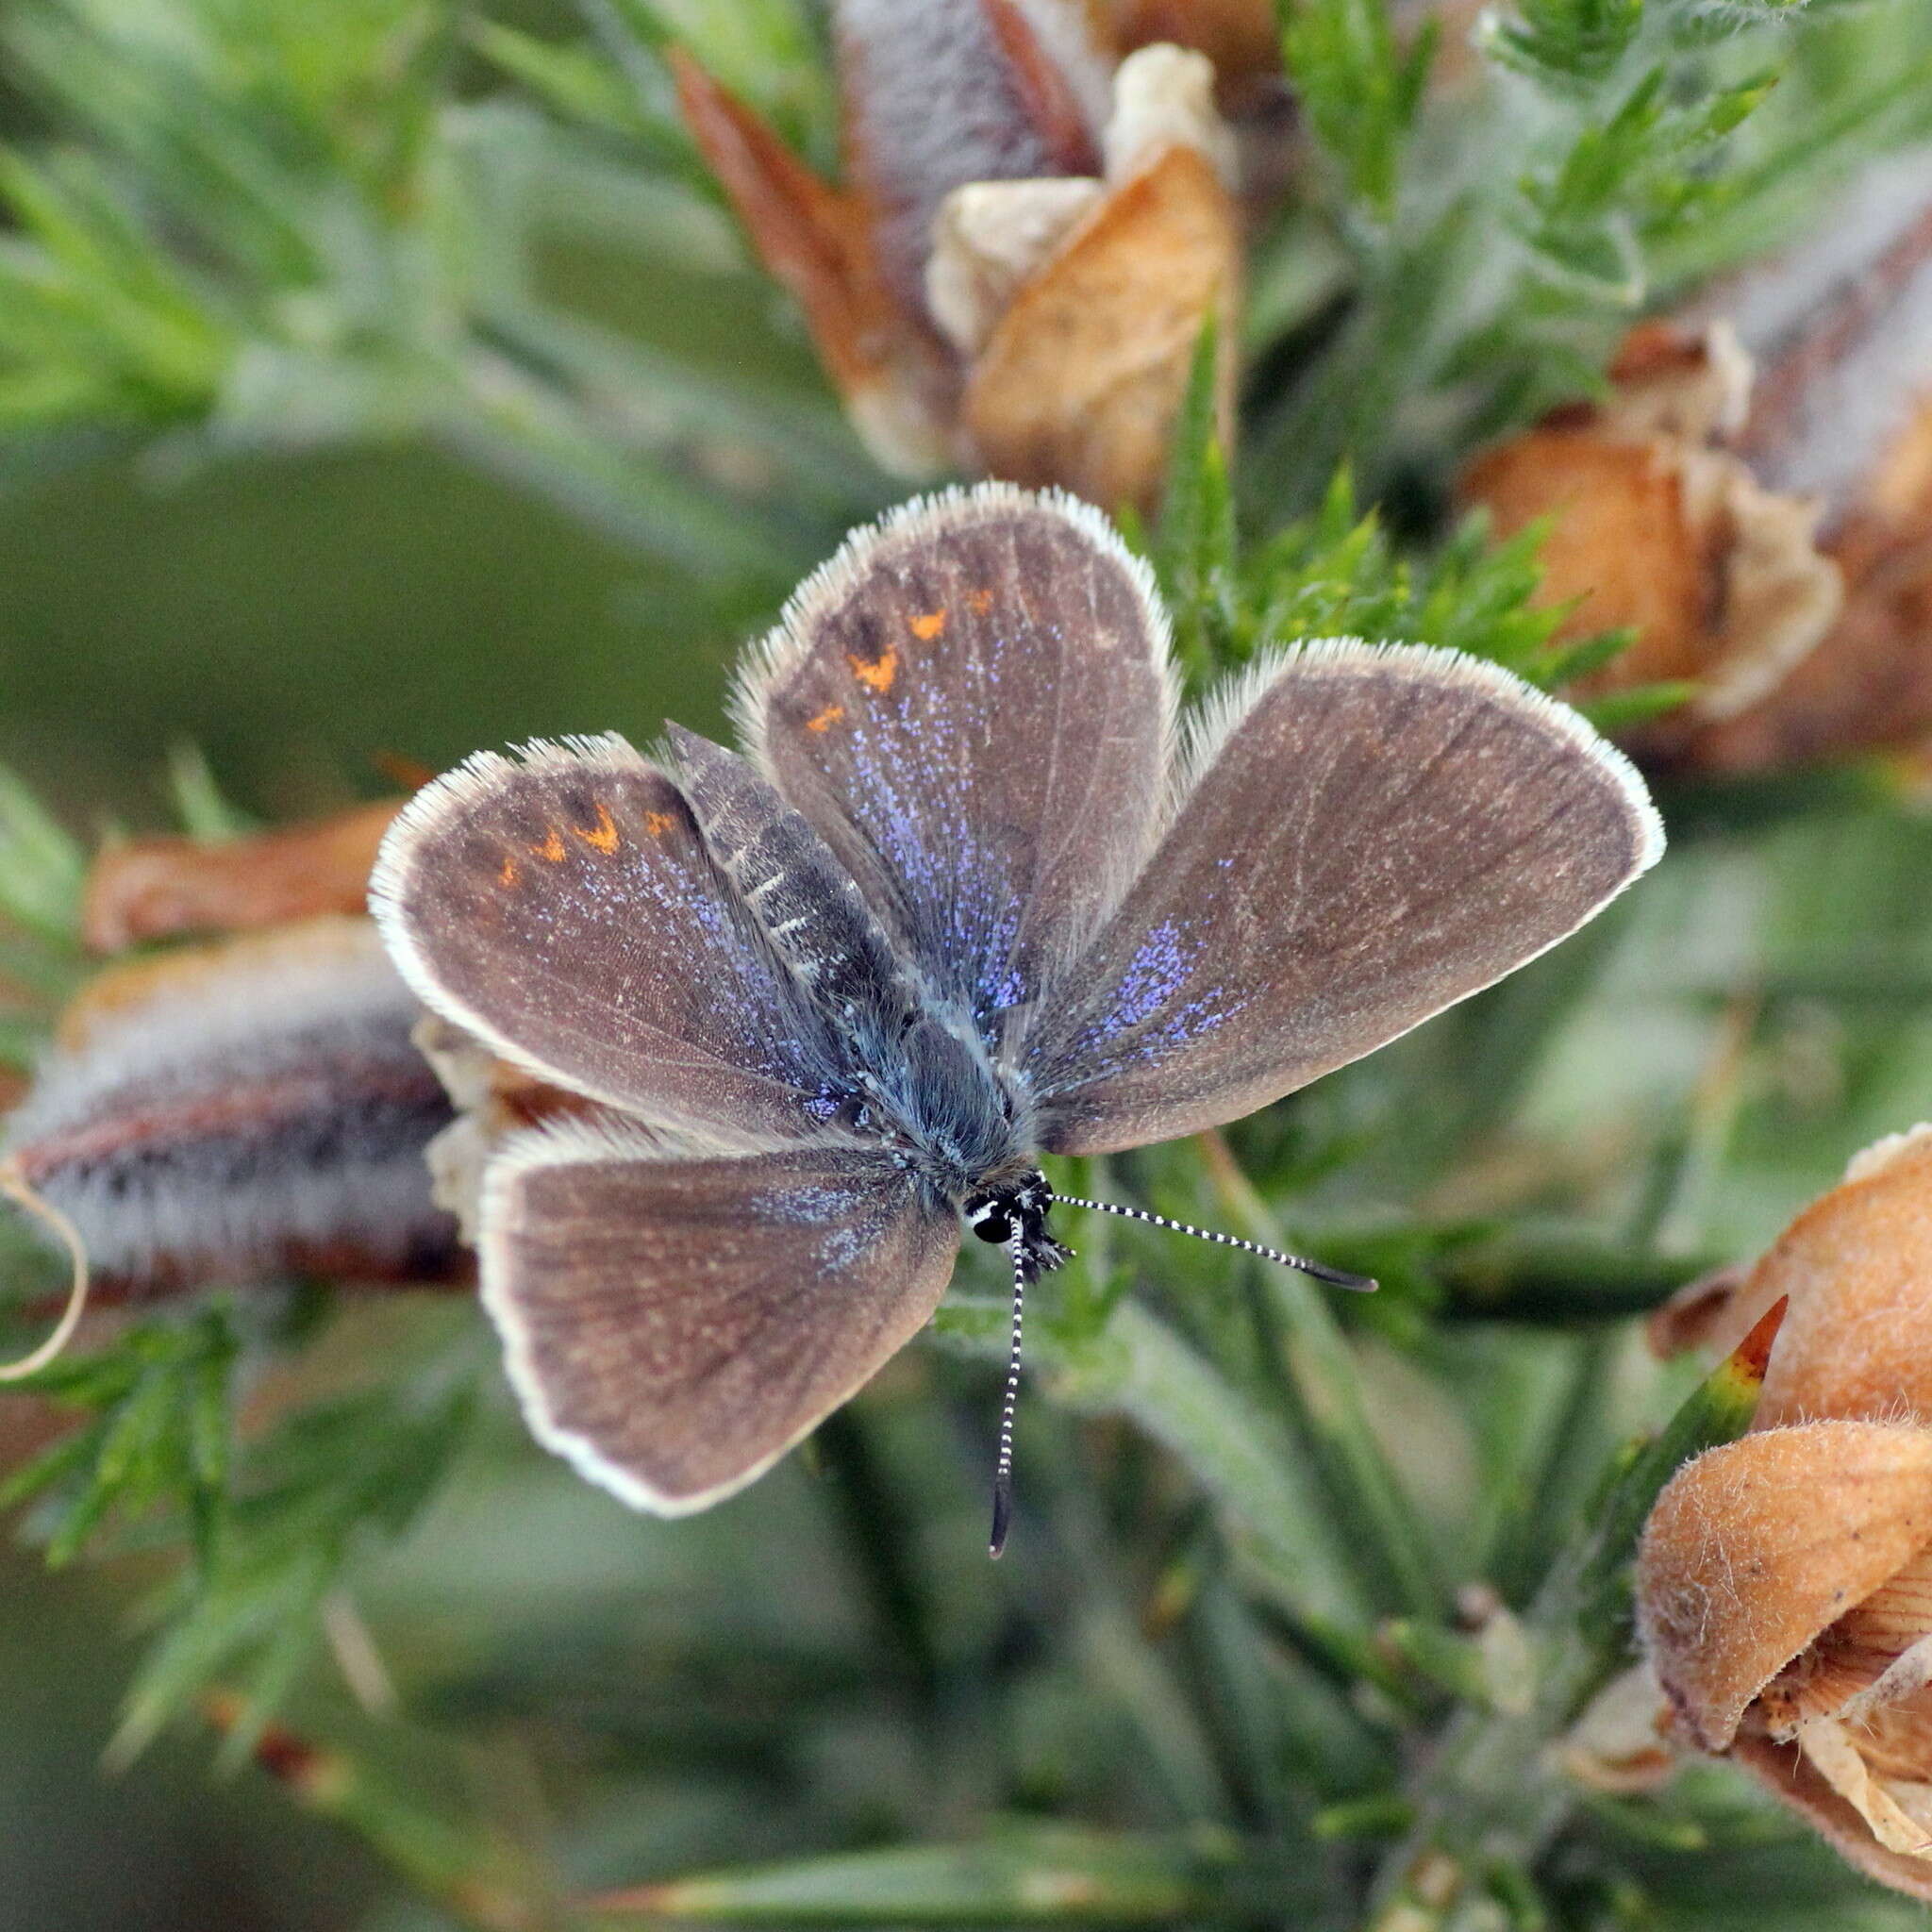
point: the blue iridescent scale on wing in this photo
(972, 704)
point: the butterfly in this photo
(972, 892)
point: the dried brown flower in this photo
(1029, 240)
(1785, 1599)
(1857, 1264)
(1777, 548)
(1785, 1580)
(1658, 527)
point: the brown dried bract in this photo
(1868, 685)
(817, 241)
(1842, 414)
(164, 888)
(1785, 1770)
(1698, 1314)
(1036, 322)
(1856, 1265)
(1756, 1547)
(1658, 528)
(1080, 382)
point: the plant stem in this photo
(1137, 1367)
(1321, 1368)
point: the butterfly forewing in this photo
(972, 703)
(1374, 833)
(565, 910)
(673, 1327)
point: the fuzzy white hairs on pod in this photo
(934, 106)
(237, 1107)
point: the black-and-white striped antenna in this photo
(1003, 1469)
(1336, 1278)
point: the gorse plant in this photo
(1315, 1613)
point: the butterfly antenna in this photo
(1003, 1469)
(1336, 1278)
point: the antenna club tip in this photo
(1340, 1277)
(1002, 1517)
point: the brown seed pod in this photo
(1784, 1590)
(1060, 393)
(1857, 1264)
(1028, 245)
(247, 1107)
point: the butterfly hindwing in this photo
(972, 703)
(565, 910)
(1373, 832)
(673, 1327)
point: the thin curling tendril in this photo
(13, 1184)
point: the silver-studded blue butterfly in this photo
(972, 892)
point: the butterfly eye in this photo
(990, 1220)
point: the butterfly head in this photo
(1016, 1209)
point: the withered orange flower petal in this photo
(1740, 1568)
(156, 889)
(1080, 380)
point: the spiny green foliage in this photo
(272, 1524)
(1222, 1676)
(252, 236)
(1336, 574)
(1361, 90)
(325, 1484)
(1603, 152)
(156, 1438)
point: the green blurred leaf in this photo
(1026, 1875)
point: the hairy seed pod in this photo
(1784, 1600)
(248, 1108)
(1029, 242)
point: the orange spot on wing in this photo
(658, 823)
(552, 848)
(508, 875)
(927, 628)
(603, 837)
(826, 719)
(979, 601)
(878, 677)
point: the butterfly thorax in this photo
(1016, 1209)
